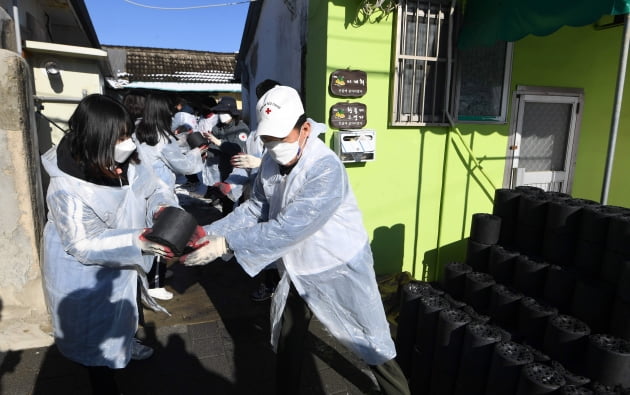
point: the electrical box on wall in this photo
(355, 145)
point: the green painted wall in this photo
(583, 58)
(422, 189)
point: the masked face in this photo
(283, 152)
(225, 118)
(123, 150)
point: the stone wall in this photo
(24, 321)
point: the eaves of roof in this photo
(149, 65)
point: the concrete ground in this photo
(216, 341)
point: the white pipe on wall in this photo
(621, 78)
(18, 32)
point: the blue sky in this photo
(217, 29)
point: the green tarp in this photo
(489, 21)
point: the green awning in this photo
(489, 21)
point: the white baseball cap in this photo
(278, 111)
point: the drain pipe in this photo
(621, 77)
(449, 58)
(441, 207)
(16, 23)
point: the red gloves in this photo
(195, 241)
(223, 187)
(157, 212)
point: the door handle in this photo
(513, 147)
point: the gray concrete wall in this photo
(24, 321)
(266, 59)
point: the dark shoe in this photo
(214, 196)
(140, 351)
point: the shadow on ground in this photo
(216, 341)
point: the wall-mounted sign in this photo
(348, 115)
(348, 83)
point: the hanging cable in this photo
(65, 131)
(187, 8)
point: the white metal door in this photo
(543, 141)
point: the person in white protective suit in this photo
(184, 114)
(303, 215)
(101, 200)
(245, 164)
(158, 147)
(237, 187)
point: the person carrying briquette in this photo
(158, 147)
(228, 138)
(101, 199)
(303, 215)
(237, 185)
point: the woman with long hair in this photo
(158, 147)
(101, 200)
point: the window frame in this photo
(500, 118)
(397, 117)
(450, 85)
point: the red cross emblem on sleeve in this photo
(268, 110)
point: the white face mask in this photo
(123, 150)
(225, 118)
(283, 152)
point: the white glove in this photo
(210, 248)
(245, 161)
(151, 247)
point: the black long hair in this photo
(156, 120)
(96, 125)
(134, 103)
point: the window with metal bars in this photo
(425, 76)
(424, 43)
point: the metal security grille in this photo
(423, 56)
(544, 136)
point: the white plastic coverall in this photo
(207, 123)
(167, 159)
(309, 219)
(183, 117)
(239, 178)
(91, 264)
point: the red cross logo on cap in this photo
(268, 110)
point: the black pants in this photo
(102, 380)
(271, 277)
(192, 178)
(157, 273)
(295, 320)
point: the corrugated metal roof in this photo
(152, 65)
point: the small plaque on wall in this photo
(348, 115)
(348, 83)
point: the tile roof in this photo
(143, 64)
